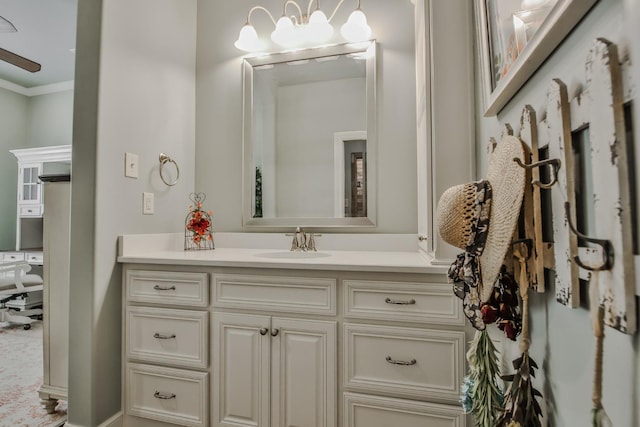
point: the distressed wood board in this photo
(565, 243)
(532, 202)
(609, 165)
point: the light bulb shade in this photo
(285, 33)
(356, 28)
(248, 39)
(318, 28)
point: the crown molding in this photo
(37, 90)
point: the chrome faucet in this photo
(299, 242)
(311, 242)
(303, 241)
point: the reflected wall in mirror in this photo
(309, 137)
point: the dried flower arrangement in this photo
(482, 395)
(502, 307)
(198, 233)
(521, 409)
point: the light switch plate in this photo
(147, 203)
(130, 165)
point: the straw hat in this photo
(457, 207)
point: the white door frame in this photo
(339, 139)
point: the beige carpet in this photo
(20, 378)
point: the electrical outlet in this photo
(147, 203)
(131, 165)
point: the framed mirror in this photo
(309, 138)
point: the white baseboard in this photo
(115, 421)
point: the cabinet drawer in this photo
(165, 394)
(31, 210)
(373, 411)
(168, 287)
(281, 294)
(173, 337)
(417, 363)
(402, 301)
(35, 258)
(12, 256)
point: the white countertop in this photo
(391, 253)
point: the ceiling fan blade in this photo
(19, 61)
(6, 26)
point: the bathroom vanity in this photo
(267, 337)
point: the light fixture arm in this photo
(261, 8)
(309, 7)
(338, 7)
(284, 11)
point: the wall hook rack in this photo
(554, 167)
(607, 247)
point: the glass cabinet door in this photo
(30, 185)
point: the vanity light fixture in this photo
(304, 30)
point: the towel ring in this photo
(164, 159)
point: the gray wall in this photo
(13, 122)
(135, 91)
(27, 122)
(219, 108)
(50, 119)
(562, 341)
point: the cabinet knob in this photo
(263, 331)
(275, 332)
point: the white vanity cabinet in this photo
(166, 347)
(290, 347)
(274, 370)
(55, 304)
(404, 354)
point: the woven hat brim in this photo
(508, 182)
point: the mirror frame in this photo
(248, 166)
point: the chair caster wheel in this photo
(26, 327)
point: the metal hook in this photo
(607, 247)
(553, 171)
(524, 247)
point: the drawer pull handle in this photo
(392, 301)
(164, 396)
(161, 288)
(275, 332)
(263, 331)
(401, 362)
(164, 337)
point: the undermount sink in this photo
(292, 255)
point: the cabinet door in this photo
(241, 354)
(29, 191)
(303, 373)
